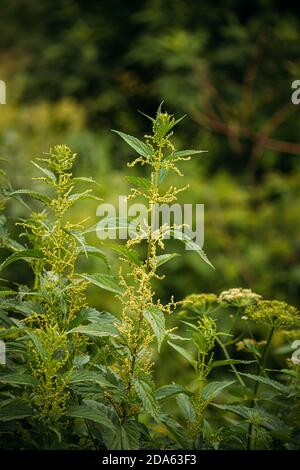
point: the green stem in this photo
(260, 366)
(234, 369)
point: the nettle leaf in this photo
(78, 376)
(96, 329)
(140, 147)
(139, 182)
(105, 281)
(84, 179)
(38, 345)
(21, 255)
(33, 194)
(126, 437)
(184, 153)
(92, 414)
(162, 259)
(156, 319)
(18, 379)
(93, 251)
(183, 352)
(147, 395)
(83, 196)
(92, 315)
(128, 253)
(15, 410)
(109, 223)
(191, 245)
(266, 381)
(229, 362)
(171, 390)
(49, 175)
(162, 175)
(81, 360)
(239, 410)
(186, 407)
(178, 432)
(212, 389)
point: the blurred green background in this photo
(76, 69)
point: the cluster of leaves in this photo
(76, 377)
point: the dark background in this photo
(76, 69)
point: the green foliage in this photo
(77, 377)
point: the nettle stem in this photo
(260, 367)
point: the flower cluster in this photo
(238, 297)
(274, 312)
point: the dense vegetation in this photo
(86, 68)
(77, 377)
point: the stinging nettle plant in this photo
(76, 377)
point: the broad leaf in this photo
(167, 391)
(93, 251)
(212, 389)
(156, 319)
(184, 153)
(139, 182)
(18, 379)
(86, 412)
(21, 255)
(229, 362)
(140, 147)
(187, 408)
(96, 329)
(147, 396)
(184, 353)
(34, 195)
(78, 376)
(15, 410)
(105, 281)
(162, 259)
(49, 174)
(266, 381)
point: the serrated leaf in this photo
(38, 344)
(105, 281)
(96, 329)
(92, 414)
(78, 376)
(147, 396)
(93, 251)
(92, 315)
(162, 175)
(167, 391)
(179, 235)
(184, 153)
(266, 381)
(183, 352)
(83, 196)
(187, 408)
(15, 410)
(84, 179)
(239, 410)
(156, 319)
(51, 176)
(162, 259)
(140, 147)
(21, 255)
(18, 379)
(212, 389)
(178, 432)
(139, 182)
(128, 253)
(34, 195)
